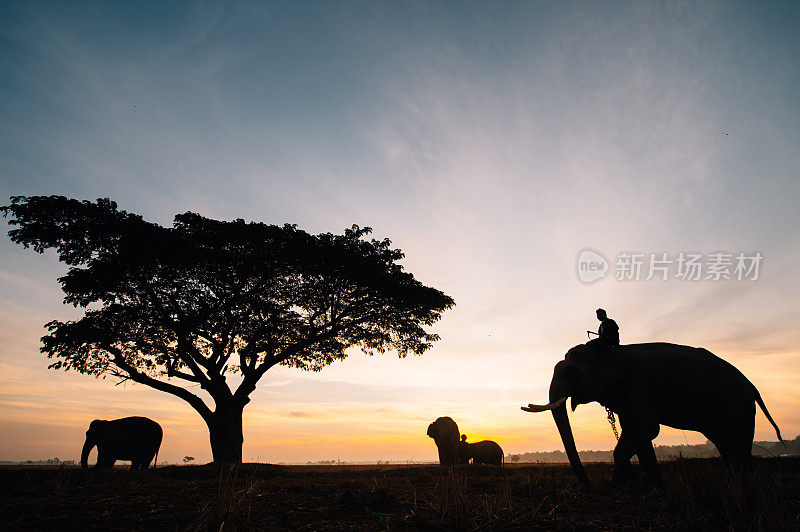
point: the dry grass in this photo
(697, 494)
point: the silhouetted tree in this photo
(206, 298)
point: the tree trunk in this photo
(225, 431)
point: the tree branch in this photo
(196, 402)
(172, 372)
(248, 384)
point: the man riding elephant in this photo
(607, 333)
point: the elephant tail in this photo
(155, 462)
(760, 402)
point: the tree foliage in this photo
(193, 302)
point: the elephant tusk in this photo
(542, 408)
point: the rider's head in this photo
(601, 314)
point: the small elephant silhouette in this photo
(482, 452)
(132, 438)
(444, 432)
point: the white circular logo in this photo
(591, 266)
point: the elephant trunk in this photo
(559, 391)
(562, 422)
(87, 448)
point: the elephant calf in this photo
(482, 452)
(131, 438)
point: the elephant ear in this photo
(581, 354)
(607, 379)
(606, 374)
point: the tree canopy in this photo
(191, 303)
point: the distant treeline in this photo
(363, 462)
(49, 461)
(704, 450)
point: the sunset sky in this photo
(491, 142)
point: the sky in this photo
(491, 142)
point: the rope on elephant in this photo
(613, 422)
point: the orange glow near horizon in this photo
(295, 418)
(52, 423)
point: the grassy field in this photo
(697, 494)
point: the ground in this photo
(697, 494)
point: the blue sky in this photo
(490, 141)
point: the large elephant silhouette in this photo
(445, 433)
(648, 385)
(132, 438)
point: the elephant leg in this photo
(733, 433)
(636, 438)
(647, 459)
(644, 450)
(735, 454)
(105, 459)
(623, 453)
(733, 440)
(733, 449)
(741, 444)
